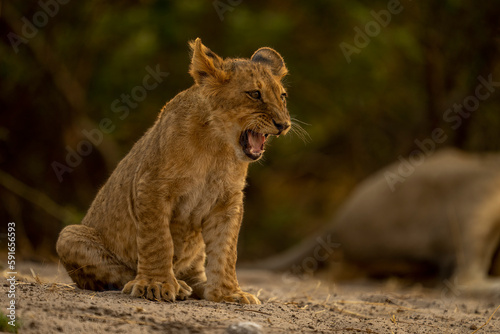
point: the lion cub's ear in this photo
(206, 66)
(273, 59)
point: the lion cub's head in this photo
(247, 96)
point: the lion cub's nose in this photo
(281, 126)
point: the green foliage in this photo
(6, 327)
(362, 114)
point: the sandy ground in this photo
(48, 303)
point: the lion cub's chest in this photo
(197, 203)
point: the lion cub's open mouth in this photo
(253, 143)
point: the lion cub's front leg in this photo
(220, 232)
(155, 278)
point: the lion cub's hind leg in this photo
(89, 264)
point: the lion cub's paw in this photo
(242, 298)
(184, 290)
(234, 297)
(155, 290)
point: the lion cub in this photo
(166, 222)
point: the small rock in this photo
(245, 327)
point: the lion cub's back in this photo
(111, 212)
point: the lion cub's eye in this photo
(255, 94)
(284, 96)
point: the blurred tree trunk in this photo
(69, 87)
(456, 52)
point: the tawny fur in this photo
(442, 222)
(166, 222)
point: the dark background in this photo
(361, 113)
